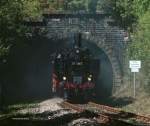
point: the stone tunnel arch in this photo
(108, 38)
(108, 50)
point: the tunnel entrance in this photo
(29, 72)
(104, 84)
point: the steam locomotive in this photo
(75, 72)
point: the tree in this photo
(127, 12)
(140, 7)
(12, 14)
(140, 47)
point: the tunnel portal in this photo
(32, 78)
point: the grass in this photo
(15, 108)
(141, 103)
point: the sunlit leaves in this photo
(3, 50)
(12, 13)
(31, 8)
(141, 42)
(140, 6)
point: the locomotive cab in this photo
(74, 73)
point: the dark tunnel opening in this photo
(28, 74)
(105, 81)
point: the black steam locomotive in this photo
(75, 72)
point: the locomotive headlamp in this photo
(89, 79)
(90, 75)
(77, 51)
(64, 78)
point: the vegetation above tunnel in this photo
(12, 14)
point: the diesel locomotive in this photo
(75, 72)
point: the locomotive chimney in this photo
(78, 37)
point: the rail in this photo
(121, 114)
(99, 117)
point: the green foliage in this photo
(140, 47)
(105, 5)
(31, 8)
(12, 13)
(76, 5)
(140, 6)
(135, 15)
(3, 50)
(124, 13)
(127, 12)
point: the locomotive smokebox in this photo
(77, 39)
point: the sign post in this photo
(135, 65)
(134, 85)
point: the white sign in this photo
(135, 70)
(135, 64)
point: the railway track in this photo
(121, 114)
(107, 115)
(78, 109)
